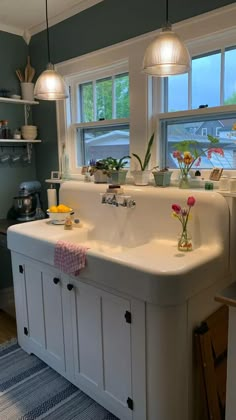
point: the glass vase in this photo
(185, 241)
(184, 180)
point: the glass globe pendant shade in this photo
(50, 86)
(166, 55)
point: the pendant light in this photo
(50, 86)
(166, 55)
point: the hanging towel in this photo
(70, 258)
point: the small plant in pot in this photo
(141, 177)
(162, 177)
(116, 169)
(100, 170)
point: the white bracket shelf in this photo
(19, 141)
(17, 101)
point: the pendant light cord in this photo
(167, 12)
(49, 58)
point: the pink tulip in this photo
(191, 201)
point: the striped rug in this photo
(29, 389)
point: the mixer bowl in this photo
(25, 206)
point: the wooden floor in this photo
(7, 327)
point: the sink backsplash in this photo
(151, 218)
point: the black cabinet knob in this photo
(56, 280)
(70, 286)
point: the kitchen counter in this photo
(5, 224)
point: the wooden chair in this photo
(211, 356)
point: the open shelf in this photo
(17, 101)
(19, 141)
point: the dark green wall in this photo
(13, 55)
(104, 24)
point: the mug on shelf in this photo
(27, 91)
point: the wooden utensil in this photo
(29, 71)
(19, 75)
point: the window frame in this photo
(200, 35)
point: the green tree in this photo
(231, 100)
(104, 92)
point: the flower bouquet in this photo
(182, 214)
(188, 154)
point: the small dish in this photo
(15, 97)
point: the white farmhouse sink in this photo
(135, 250)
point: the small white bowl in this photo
(15, 97)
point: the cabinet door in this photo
(102, 350)
(43, 294)
(53, 317)
(116, 347)
(87, 335)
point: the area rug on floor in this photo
(29, 389)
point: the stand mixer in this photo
(27, 204)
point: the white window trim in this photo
(200, 35)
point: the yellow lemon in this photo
(63, 209)
(53, 209)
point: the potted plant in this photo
(100, 170)
(116, 171)
(141, 177)
(162, 177)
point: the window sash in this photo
(196, 115)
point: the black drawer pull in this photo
(70, 286)
(56, 280)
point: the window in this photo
(99, 120)
(105, 99)
(211, 82)
(175, 129)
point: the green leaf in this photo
(212, 139)
(144, 164)
(140, 162)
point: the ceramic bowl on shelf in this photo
(29, 132)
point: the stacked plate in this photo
(29, 132)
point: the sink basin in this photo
(154, 271)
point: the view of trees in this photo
(231, 100)
(104, 98)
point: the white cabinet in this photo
(83, 332)
(101, 324)
(38, 293)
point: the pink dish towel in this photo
(69, 257)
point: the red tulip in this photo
(176, 208)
